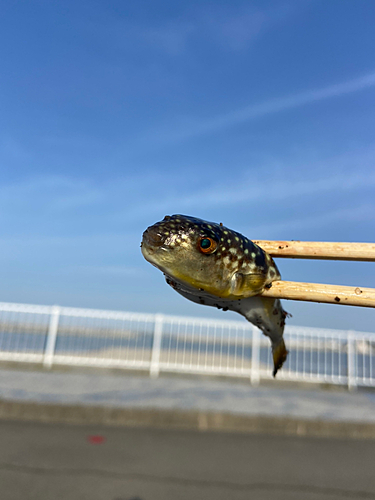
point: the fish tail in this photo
(280, 354)
(268, 315)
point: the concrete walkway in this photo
(126, 391)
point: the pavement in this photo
(78, 462)
(203, 403)
(122, 436)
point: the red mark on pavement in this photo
(96, 439)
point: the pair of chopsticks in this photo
(315, 292)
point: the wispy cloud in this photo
(193, 127)
(349, 175)
(364, 212)
(120, 204)
(254, 191)
(236, 28)
(231, 27)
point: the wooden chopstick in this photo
(319, 250)
(316, 292)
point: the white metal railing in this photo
(88, 337)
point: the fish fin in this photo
(247, 285)
(279, 354)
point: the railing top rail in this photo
(119, 315)
(74, 311)
(25, 308)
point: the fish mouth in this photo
(153, 242)
(153, 239)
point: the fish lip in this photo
(147, 250)
(153, 257)
(150, 253)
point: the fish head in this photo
(207, 257)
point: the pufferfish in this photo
(215, 266)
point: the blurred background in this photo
(256, 114)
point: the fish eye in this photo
(207, 245)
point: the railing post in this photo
(255, 357)
(352, 365)
(51, 337)
(156, 346)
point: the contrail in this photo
(196, 127)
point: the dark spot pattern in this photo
(234, 251)
(260, 259)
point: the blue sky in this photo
(257, 114)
